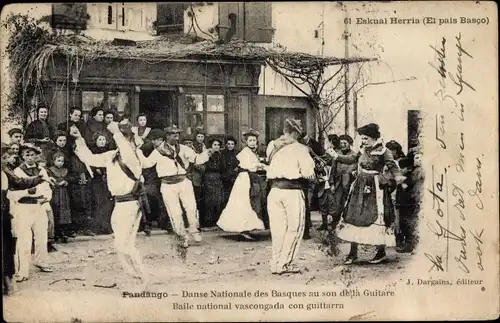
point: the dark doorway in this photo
(275, 118)
(160, 107)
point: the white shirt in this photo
(291, 162)
(42, 189)
(118, 182)
(248, 160)
(168, 167)
(4, 182)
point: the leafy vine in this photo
(26, 40)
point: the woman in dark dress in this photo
(80, 191)
(103, 204)
(39, 132)
(369, 215)
(212, 186)
(230, 167)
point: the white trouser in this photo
(30, 221)
(173, 196)
(125, 221)
(287, 213)
(51, 223)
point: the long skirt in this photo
(369, 213)
(103, 205)
(81, 205)
(213, 199)
(239, 215)
(61, 206)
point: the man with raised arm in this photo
(290, 164)
(123, 169)
(173, 162)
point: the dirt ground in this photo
(221, 258)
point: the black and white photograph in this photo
(249, 161)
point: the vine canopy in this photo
(31, 48)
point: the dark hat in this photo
(294, 125)
(187, 137)
(393, 145)
(346, 138)
(155, 134)
(250, 132)
(29, 146)
(172, 129)
(371, 130)
(14, 131)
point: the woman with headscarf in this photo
(103, 204)
(230, 167)
(212, 184)
(244, 211)
(369, 215)
(40, 131)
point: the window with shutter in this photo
(258, 22)
(170, 17)
(225, 9)
(69, 16)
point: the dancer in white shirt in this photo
(29, 210)
(290, 168)
(126, 214)
(172, 162)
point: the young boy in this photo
(16, 136)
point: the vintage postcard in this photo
(250, 161)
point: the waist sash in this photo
(126, 198)
(174, 179)
(287, 184)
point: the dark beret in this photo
(155, 134)
(370, 130)
(14, 131)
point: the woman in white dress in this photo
(245, 209)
